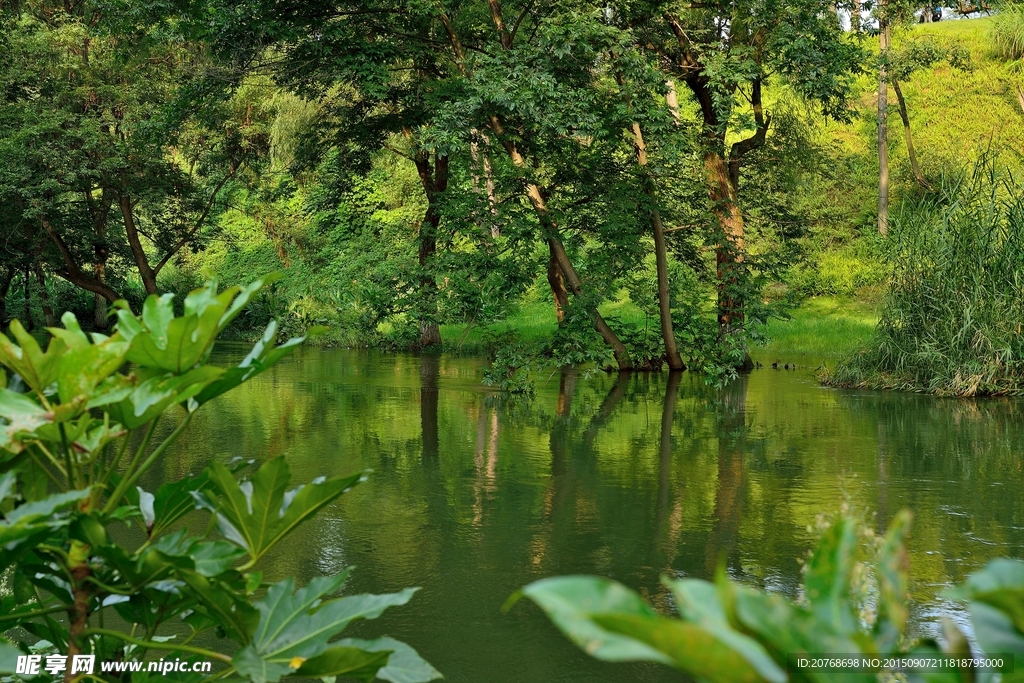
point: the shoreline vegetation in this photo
(818, 280)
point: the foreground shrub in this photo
(851, 610)
(80, 424)
(952, 319)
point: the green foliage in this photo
(950, 323)
(729, 632)
(1007, 32)
(79, 426)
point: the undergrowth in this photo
(951, 322)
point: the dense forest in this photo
(632, 185)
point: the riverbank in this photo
(821, 327)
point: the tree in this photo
(726, 53)
(94, 128)
(901, 64)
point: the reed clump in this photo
(951, 323)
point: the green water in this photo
(626, 477)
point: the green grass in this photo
(825, 327)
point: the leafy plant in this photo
(728, 632)
(80, 426)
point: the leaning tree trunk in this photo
(557, 249)
(557, 284)
(729, 254)
(883, 139)
(918, 176)
(675, 361)
(44, 297)
(146, 272)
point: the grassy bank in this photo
(822, 327)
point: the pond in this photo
(629, 477)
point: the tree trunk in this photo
(557, 283)
(6, 277)
(883, 139)
(536, 197)
(918, 176)
(131, 230)
(44, 296)
(72, 272)
(855, 16)
(729, 254)
(675, 361)
(672, 101)
(482, 158)
(435, 181)
(27, 322)
(99, 271)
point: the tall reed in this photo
(1008, 31)
(952, 320)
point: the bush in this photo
(78, 429)
(951, 321)
(853, 605)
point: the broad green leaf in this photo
(8, 657)
(212, 558)
(691, 648)
(295, 626)
(153, 396)
(348, 662)
(571, 602)
(893, 564)
(30, 512)
(827, 581)
(173, 501)
(37, 369)
(245, 294)
(996, 634)
(23, 416)
(229, 610)
(258, 513)
(71, 334)
(404, 665)
(999, 584)
(786, 629)
(83, 368)
(699, 603)
(263, 356)
(7, 481)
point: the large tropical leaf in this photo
(264, 354)
(572, 601)
(27, 359)
(256, 514)
(177, 344)
(699, 603)
(21, 417)
(296, 625)
(156, 394)
(827, 581)
(404, 664)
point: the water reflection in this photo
(628, 476)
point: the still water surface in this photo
(628, 477)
